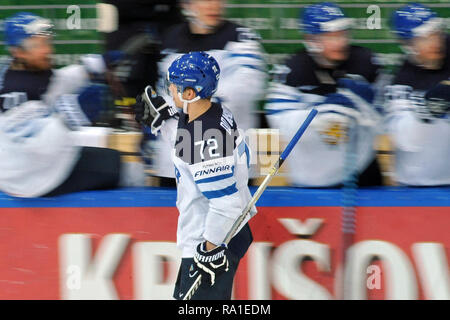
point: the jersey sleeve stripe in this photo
(220, 193)
(243, 148)
(216, 178)
(280, 100)
(253, 67)
(246, 55)
(272, 112)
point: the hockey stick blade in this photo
(258, 192)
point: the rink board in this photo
(120, 244)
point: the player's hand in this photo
(437, 100)
(152, 110)
(211, 263)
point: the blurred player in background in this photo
(40, 110)
(418, 100)
(211, 162)
(239, 54)
(336, 78)
(138, 31)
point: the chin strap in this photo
(186, 102)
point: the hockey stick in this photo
(258, 193)
(349, 199)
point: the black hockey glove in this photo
(211, 263)
(437, 100)
(152, 110)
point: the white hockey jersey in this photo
(422, 149)
(36, 150)
(319, 159)
(211, 162)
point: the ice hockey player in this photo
(211, 169)
(239, 54)
(39, 109)
(418, 100)
(336, 78)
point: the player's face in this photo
(334, 45)
(209, 12)
(174, 93)
(36, 52)
(429, 49)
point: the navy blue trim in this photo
(337, 112)
(298, 97)
(273, 111)
(216, 178)
(246, 55)
(253, 67)
(272, 197)
(221, 193)
(281, 100)
(244, 148)
(247, 153)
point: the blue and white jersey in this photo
(422, 148)
(38, 114)
(211, 162)
(319, 159)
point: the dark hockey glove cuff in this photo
(211, 263)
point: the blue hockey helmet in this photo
(23, 25)
(323, 17)
(415, 20)
(196, 70)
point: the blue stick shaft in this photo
(299, 133)
(272, 172)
